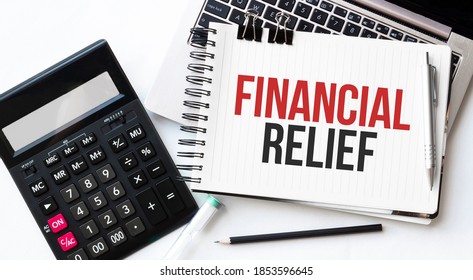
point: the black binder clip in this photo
(255, 33)
(281, 35)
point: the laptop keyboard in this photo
(317, 16)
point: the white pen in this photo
(198, 222)
(429, 121)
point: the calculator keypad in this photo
(101, 193)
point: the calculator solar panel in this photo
(88, 161)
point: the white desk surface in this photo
(36, 34)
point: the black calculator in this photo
(87, 160)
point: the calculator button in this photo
(70, 193)
(88, 183)
(89, 229)
(67, 241)
(70, 150)
(38, 187)
(88, 140)
(156, 169)
(117, 143)
(60, 175)
(48, 205)
(97, 201)
(107, 219)
(52, 160)
(128, 161)
(137, 179)
(150, 204)
(116, 190)
(106, 173)
(79, 211)
(125, 209)
(135, 226)
(117, 237)
(96, 155)
(168, 193)
(57, 223)
(136, 133)
(78, 165)
(146, 151)
(97, 248)
(78, 255)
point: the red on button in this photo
(57, 223)
(67, 241)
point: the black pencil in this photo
(300, 234)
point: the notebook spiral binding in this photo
(197, 93)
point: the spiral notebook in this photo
(333, 121)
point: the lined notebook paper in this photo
(332, 120)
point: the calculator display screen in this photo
(74, 105)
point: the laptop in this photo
(416, 21)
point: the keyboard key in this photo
(313, 2)
(70, 150)
(87, 183)
(382, 28)
(136, 133)
(150, 204)
(135, 226)
(79, 211)
(156, 169)
(137, 179)
(239, 3)
(116, 190)
(335, 23)
(60, 175)
(326, 6)
(52, 160)
(78, 255)
(352, 29)
(411, 39)
(107, 219)
(38, 187)
(368, 23)
(217, 8)
(97, 201)
(271, 13)
(125, 209)
(396, 34)
(118, 143)
(67, 241)
(237, 17)
(287, 5)
(96, 155)
(319, 29)
(354, 17)
(70, 193)
(88, 140)
(340, 11)
(48, 205)
(117, 237)
(305, 26)
(319, 17)
(206, 18)
(89, 229)
(106, 173)
(167, 191)
(273, 2)
(146, 151)
(97, 248)
(78, 165)
(257, 6)
(128, 161)
(303, 10)
(57, 223)
(368, 34)
(384, 37)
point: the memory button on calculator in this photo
(150, 204)
(88, 140)
(38, 187)
(78, 165)
(70, 150)
(96, 155)
(60, 175)
(52, 160)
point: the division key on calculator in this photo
(88, 161)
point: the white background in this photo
(36, 34)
